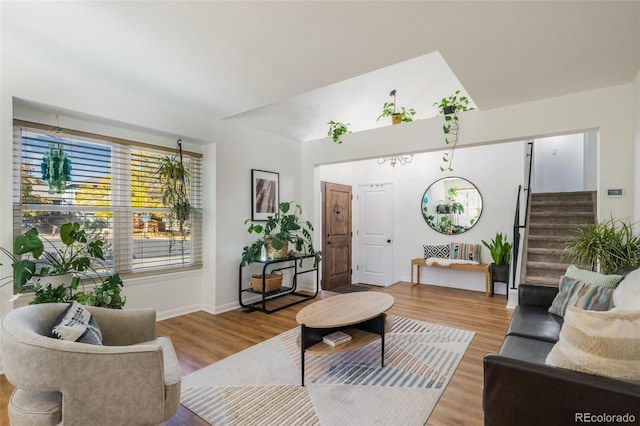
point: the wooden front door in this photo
(336, 241)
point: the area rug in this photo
(352, 288)
(261, 385)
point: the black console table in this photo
(288, 263)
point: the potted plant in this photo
(390, 109)
(337, 129)
(501, 255)
(450, 107)
(280, 229)
(54, 272)
(175, 178)
(609, 244)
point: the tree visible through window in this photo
(113, 191)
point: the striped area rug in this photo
(261, 385)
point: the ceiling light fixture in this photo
(402, 159)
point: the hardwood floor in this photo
(201, 339)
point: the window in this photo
(112, 190)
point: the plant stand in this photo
(260, 300)
(499, 274)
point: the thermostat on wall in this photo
(615, 192)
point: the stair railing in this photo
(517, 227)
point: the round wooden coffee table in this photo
(361, 315)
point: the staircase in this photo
(553, 217)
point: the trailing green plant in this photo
(609, 244)
(450, 107)
(283, 226)
(175, 185)
(80, 256)
(337, 129)
(175, 177)
(500, 249)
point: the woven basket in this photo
(272, 282)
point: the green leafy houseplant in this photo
(390, 109)
(337, 129)
(450, 107)
(609, 244)
(175, 178)
(500, 249)
(79, 256)
(281, 228)
(501, 254)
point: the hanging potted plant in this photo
(501, 255)
(175, 179)
(450, 107)
(390, 109)
(337, 129)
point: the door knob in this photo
(388, 241)
(328, 242)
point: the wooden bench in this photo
(480, 267)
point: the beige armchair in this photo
(134, 379)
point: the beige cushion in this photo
(601, 343)
(609, 281)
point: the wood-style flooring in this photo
(201, 339)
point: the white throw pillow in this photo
(627, 294)
(604, 343)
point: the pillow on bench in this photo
(441, 251)
(463, 251)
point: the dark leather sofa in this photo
(520, 389)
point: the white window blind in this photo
(113, 191)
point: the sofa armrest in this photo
(525, 393)
(536, 295)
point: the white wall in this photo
(636, 120)
(558, 163)
(410, 231)
(239, 150)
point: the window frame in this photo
(120, 204)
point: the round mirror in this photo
(451, 205)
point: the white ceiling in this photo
(289, 67)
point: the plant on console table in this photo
(280, 229)
(501, 254)
(54, 273)
(450, 107)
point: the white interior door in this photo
(375, 234)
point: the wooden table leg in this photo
(488, 282)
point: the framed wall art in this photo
(265, 194)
